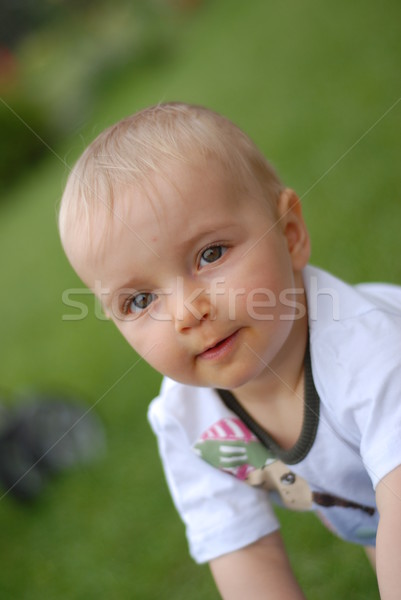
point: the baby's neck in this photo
(276, 399)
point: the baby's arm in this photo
(388, 543)
(260, 571)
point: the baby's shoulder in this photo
(384, 296)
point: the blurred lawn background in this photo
(317, 86)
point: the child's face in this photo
(198, 276)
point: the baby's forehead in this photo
(177, 180)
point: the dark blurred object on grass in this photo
(42, 437)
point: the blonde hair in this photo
(147, 142)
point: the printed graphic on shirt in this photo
(231, 447)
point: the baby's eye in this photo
(211, 254)
(139, 302)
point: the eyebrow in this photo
(195, 239)
(191, 241)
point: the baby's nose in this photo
(192, 308)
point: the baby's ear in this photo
(294, 228)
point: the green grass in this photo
(307, 81)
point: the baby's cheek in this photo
(256, 299)
(138, 336)
(153, 343)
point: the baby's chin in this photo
(231, 384)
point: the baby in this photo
(282, 383)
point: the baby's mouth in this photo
(219, 348)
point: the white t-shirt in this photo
(355, 348)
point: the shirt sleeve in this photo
(221, 514)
